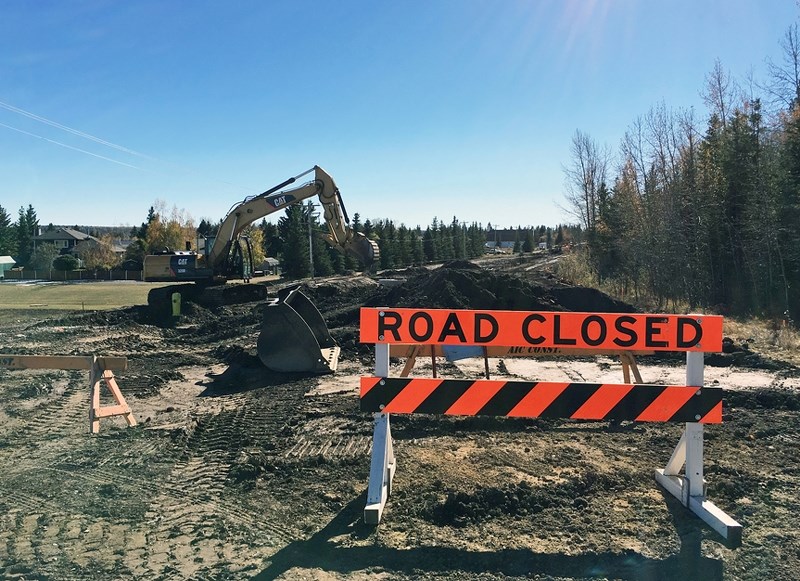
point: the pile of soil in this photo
(464, 285)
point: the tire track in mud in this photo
(196, 506)
(346, 446)
(29, 471)
(56, 418)
(188, 510)
(82, 517)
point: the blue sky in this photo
(417, 109)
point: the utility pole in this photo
(311, 216)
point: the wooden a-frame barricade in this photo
(419, 331)
(101, 370)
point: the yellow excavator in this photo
(294, 336)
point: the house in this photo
(499, 240)
(65, 239)
(6, 263)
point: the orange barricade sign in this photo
(544, 329)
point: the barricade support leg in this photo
(381, 470)
(97, 375)
(691, 488)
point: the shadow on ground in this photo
(321, 552)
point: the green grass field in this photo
(88, 296)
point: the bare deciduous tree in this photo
(584, 177)
(784, 84)
(720, 92)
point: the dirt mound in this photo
(461, 508)
(464, 285)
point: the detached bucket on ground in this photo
(294, 336)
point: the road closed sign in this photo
(615, 331)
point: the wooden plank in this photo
(111, 410)
(8, 361)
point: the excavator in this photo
(294, 336)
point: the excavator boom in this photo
(340, 236)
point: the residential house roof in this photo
(7, 260)
(64, 234)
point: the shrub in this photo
(66, 262)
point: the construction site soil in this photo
(237, 472)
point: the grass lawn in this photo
(73, 296)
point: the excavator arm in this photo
(340, 235)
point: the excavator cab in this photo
(294, 336)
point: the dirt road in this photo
(237, 473)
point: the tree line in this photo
(17, 239)
(293, 240)
(400, 245)
(705, 213)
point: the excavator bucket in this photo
(294, 336)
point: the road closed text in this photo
(542, 329)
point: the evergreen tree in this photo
(136, 250)
(337, 260)
(403, 246)
(444, 242)
(349, 262)
(418, 247)
(789, 202)
(356, 222)
(272, 239)
(321, 249)
(368, 229)
(559, 235)
(8, 235)
(529, 242)
(292, 229)
(27, 224)
(207, 228)
(429, 243)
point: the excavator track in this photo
(160, 300)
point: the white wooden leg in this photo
(691, 488)
(381, 470)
